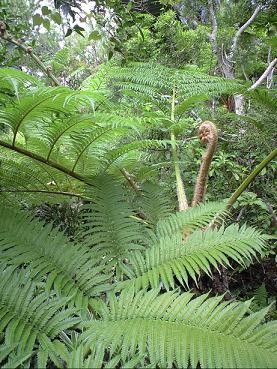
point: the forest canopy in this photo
(138, 184)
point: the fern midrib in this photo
(205, 330)
(87, 146)
(61, 193)
(41, 159)
(191, 254)
(25, 115)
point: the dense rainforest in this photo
(138, 184)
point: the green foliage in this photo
(123, 325)
(73, 270)
(59, 132)
(170, 257)
(30, 319)
(109, 225)
(157, 82)
(116, 294)
(174, 329)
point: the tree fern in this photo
(174, 329)
(60, 129)
(28, 319)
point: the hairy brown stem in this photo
(207, 135)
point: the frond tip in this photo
(177, 330)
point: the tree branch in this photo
(241, 30)
(268, 70)
(212, 36)
(28, 50)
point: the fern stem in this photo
(250, 178)
(41, 159)
(129, 179)
(217, 221)
(63, 193)
(59, 167)
(207, 135)
(181, 195)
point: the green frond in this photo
(72, 270)
(158, 82)
(28, 318)
(99, 80)
(193, 218)
(154, 203)
(22, 178)
(60, 129)
(264, 97)
(185, 259)
(177, 331)
(109, 224)
(14, 81)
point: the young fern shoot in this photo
(207, 135)
(181, 195)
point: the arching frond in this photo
(157, 82)
(72, 270)
(184, 259)
(176, 330)
(14, 81)
(60, 129)
(28, 318)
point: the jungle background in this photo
(78, 41)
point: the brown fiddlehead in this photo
(207, 135)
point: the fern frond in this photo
(109, 224)
(72, 270)
(27, 318)
(55, 127)
(154, 203)
(172, 257)
(23, 178)
(191, 219)
(15, 81)
(176, 330)
(157, 82)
